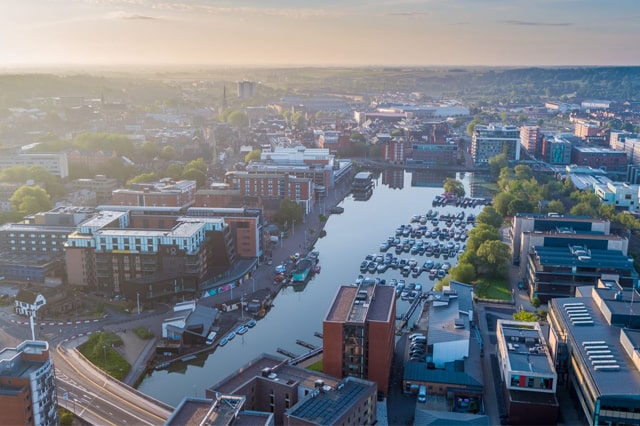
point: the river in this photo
(350, 236)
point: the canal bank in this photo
(298, 312)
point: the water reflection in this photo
(298, 312)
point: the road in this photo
(98, 398)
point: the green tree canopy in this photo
(501, 202)
(198, 164)
(454, 186)
(288, 213)
(494, 258)
(174, 171)
(142, 178)
(168, 153)
(490, 216)
(30, 199)
(497, 163)
(463, 272)
(121, 144)
(525, 316)
(238, 119)
(149, 150)
(253, 155)
(195, 174)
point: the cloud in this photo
(409, 14)
(537, 24)
(131, 16)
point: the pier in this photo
(318, 334)
(306, 344)
(286, 353)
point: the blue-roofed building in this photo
(594, 342)
(553, 272)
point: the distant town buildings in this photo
(246, 89)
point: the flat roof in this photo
(587, 338)
(562, 256)
(529, 352)
(325, 407)
(366, 302)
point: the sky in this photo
(110, 33)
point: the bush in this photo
(536, 302)
(66, 417)
(143, 333)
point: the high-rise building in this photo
(494, 139)
(247, 89)
(27, 385)
(529, 138)
(359, 333)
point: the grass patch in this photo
(143, 332)
(316, 366)
(100, 351)
(491, 288)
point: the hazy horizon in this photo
(112, 34)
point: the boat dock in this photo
(306, 356)
(318, 334)
(306, 344)
(286, 353)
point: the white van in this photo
(211, 337)
(422, 394)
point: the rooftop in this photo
(526, 349)
(565, 257)
(597, 346)
(367, 302)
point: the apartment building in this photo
(494, 139)
(359, 333)
(530, 138)
(27, 385)
(165, 193)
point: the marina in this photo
(300, 309)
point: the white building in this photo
(619, 194)
(56, 164)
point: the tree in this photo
(299, 121)
(497, 163)
(149, 150)
(253, 155)
(357, 137)
(523, 172)
(494, 257)
(525, 316)
(519, 205)
(289, 213)
(490, 216)
(555, 206)
(168, 153)
(198, 164)
(30, 199)
(501, 202)
(142, 178)
(195, 174)
(463, 272)
(238, 119)
(454, 186)
(471, 126)
(174, 171)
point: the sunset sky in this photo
(314, 32)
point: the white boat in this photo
(359, 279)
(242, 329)
(231, 335)
(251, 323)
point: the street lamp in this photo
(138, 301)
(104, 349)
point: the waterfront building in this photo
(494, 139)
(362, 186)
(56, 164)
(359, 333)
(274, 185)
(221, 410)
(395, 151)
(295, 395)
(594, 340)
(528, 375)
(586, 130)
(153, 264)
(27, 385)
